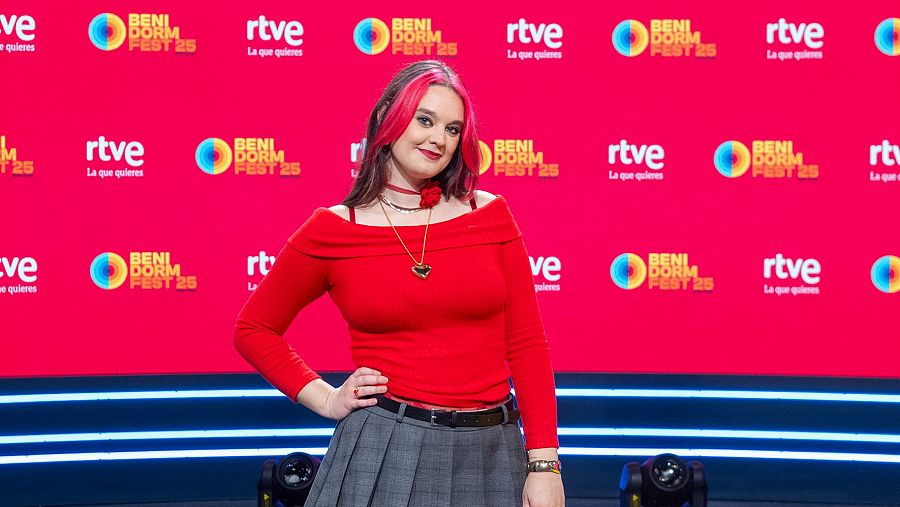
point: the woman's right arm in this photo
(295, 280)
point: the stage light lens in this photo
(669, 472)
(296, 473)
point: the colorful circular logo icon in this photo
(630, 37)
(887, 36)
(108, 270)
(371, 36)
(628, 271)
(485, 157)
(107, 31)
(732, 159)
(886, 274)
(213, 156)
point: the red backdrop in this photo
(61, 92)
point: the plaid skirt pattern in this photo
(375, 459)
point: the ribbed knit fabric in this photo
(451, 340)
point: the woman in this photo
(429, 419)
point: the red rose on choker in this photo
(431, 195)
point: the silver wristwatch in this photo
(543, 465)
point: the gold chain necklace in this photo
(419, 268)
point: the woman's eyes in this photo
(426, 122)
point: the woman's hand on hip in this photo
(342, 400)
(543, 489)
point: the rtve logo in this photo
(547, 267)
(357, 150)
(806, 269)
(290, 31)
(263, 261)
(650, 155)
(526, 33)
(810, 34)
(21, 25)
(130, 151)
(23, 268)
(890, 153)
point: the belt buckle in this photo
(432, 418)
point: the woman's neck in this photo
(401, 199)
(405, 198)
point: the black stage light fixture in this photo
(286, 483)
(663, 481)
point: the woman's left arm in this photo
(528, 355)
(527, 351)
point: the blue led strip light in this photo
(159, 435)
(564, 431)
(564, 451)
(141, 395)
(752, 434)
(561, 392)
(731, 453)
(727, 394)
(188, 453)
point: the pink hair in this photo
(391, 117)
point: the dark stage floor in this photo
(570, 502)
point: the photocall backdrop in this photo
(702, 187)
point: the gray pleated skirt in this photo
(376, 460)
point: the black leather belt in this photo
(501, 414)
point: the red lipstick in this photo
(430, 154)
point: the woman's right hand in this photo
(341, 401)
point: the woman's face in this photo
(431, 138)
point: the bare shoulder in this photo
(341, 211)
(482, 197)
